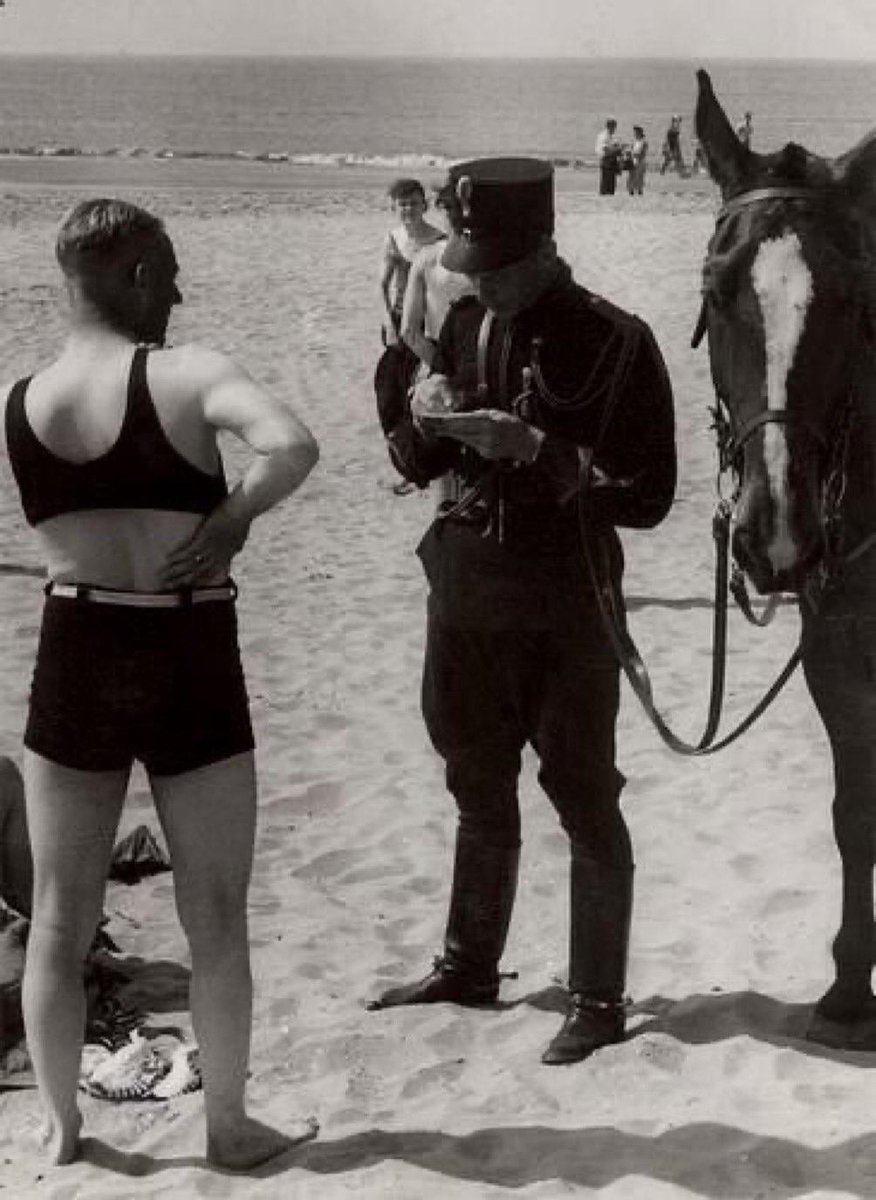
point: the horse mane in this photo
(792, 166)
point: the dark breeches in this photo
(487, 693)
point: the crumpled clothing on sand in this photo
(135, 857)
(142, 1069)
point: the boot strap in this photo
(584, 1003)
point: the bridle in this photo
(731, 439)
(832, 440)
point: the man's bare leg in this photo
(72, 817)
(208, 817)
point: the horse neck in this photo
(859, 503)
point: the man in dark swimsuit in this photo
(114, 447)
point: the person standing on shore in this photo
(430, 291)
(672, 156)
(638, 162)
(398, 363)
(114, 449)
(608, 151)
(745, 131)
(516, 651)
(402, 244)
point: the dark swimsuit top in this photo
(140, 470)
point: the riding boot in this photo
(481, 900)
(599, 925)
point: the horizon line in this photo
(462, 57)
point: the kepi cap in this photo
(503, 209)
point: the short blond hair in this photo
(102, 233)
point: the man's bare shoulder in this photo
(192, 363)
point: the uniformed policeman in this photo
(538, 386)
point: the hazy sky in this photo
(678, 28)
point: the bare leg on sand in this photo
(72, 817)
(208, 817)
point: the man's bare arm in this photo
(284, 454)
(414, 314)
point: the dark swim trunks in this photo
(113, 684)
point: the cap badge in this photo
(463, 192)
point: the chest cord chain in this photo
(489, 487)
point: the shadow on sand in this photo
(716, 1161)
(716, 1016)
(711, 1017)
(709, 1159)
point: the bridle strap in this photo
(758, 195)
(734, 205)
(772, 416)
(767, 416)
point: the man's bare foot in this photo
(250, 1143)
(59, 1141)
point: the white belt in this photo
(182, 599)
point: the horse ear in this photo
(725, 154)
(855, 172)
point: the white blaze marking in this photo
(783, 285)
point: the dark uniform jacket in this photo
(598, 385)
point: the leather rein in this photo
(609, 599)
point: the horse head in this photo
(789, 296)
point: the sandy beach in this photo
(715, 1093)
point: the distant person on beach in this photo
(608, 152)
(114, 449)
(638, 155)
(699, 166)
(399, 362)
(431, 291)
(541, 391)
(745, 131)
(402, 244)
(672, 156)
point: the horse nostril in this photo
(754, 562)
(743, 550)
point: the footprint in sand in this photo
(440, 1077)
(661, 1053)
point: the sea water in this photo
(408, 112)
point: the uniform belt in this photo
(181, 599)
